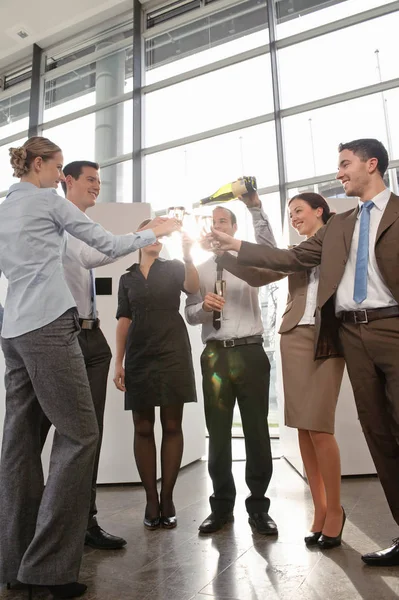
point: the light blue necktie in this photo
(362, 257)
(93, 295)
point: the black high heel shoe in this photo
(151, 524)
(169, 522)
(327, 542)
(312, 538)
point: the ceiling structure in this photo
(46, 23)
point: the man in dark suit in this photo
(358, 303)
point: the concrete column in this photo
(110, 82)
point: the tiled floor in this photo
(235, 564)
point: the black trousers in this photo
(241, 373)
(97, 356)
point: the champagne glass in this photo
(177, 212)
(220, 288)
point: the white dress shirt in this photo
(32, 225)
(78, 259)
(378, 294)
(311, 297)
(241, 312)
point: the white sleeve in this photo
(68, 217)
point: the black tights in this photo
(171, 455)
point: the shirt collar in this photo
(380, 200)
(22, 185)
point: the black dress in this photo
(158, 363)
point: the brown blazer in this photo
(256, 277)
(329, 248)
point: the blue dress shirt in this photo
(32, 225)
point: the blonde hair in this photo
(21, 158)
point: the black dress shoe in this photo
(327, 542)
(312, 538)
(152, 524)
(68, 590)
(383, 558)
(215, 522)
(101, 540)
(263, 523)
(169, 522)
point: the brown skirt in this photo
(311, 387)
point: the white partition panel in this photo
(117, 464)
(355, 455)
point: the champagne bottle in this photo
(230, 191)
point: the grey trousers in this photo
(43, 528)
(97, 356)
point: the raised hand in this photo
(251, 200)
(223, 241)
(187, 244)
(213, 302)
(166, 227)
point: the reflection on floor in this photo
(235, 564)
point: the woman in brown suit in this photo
(311, 387)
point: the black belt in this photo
(254, 339)
(89, 323)
(366, 315)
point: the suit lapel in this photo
(348, 228)
(390, 215)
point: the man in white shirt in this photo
(357, 305)
(234, 367)
(82, 187)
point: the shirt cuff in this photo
(148, 236)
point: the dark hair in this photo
(232, 215)
(22, 158)
(75, 169)
(367, 148)
(315, 201)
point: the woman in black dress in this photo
(152, 338)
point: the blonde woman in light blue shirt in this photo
(43, 528)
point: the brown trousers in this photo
(372, 357)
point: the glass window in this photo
(311, 139)
(212, 100)
(6, 176)
(207, 39)
(390, 102)
(320, 67)
(99, 136)
(14, 114)
(294, 17)
(99, 81)
(189, 173)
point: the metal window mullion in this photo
(116, 160)
(205, 69)
(344, 23)
(14, 90)
(191, 16)
(36, 93)
(83, 112)
(13, 138)
(138, 70)
(271, 18)
(95, 35)
(86, 60)
(210, 133)
(368, 90)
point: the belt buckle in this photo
(362, 320)
(229, 343)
